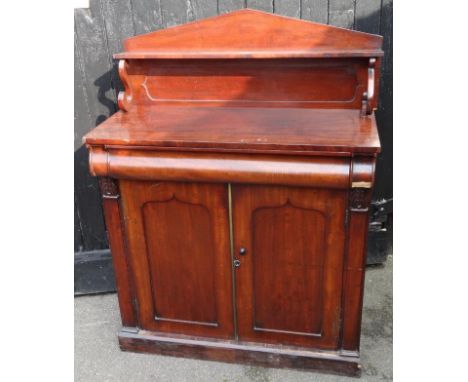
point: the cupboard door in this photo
(178, 241)
(290, 245)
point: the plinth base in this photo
(267, 355)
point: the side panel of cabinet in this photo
(289, 280)
(178, 239)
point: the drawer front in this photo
(310, 171)
(289, 247)
(179, 250)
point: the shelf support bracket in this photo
(368, 96)
(124, 98)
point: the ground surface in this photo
(98, 358)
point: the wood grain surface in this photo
(225, 37)
(288, 284)
(178, 246)
(236, 222)
(277, 129)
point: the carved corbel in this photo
(109, 189)
(125, 97)
(358, 199)
(362, 178)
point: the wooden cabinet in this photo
(236, 182)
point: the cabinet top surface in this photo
(249, 33)
(240, 129)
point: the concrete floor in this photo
(98, 358)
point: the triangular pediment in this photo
(249, 33)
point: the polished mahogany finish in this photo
(330, 172)
(236, 182)
(249, 33)
(325, 83)
(288, 130)
(178, 241)
(289, 282)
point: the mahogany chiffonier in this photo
(236, 181)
